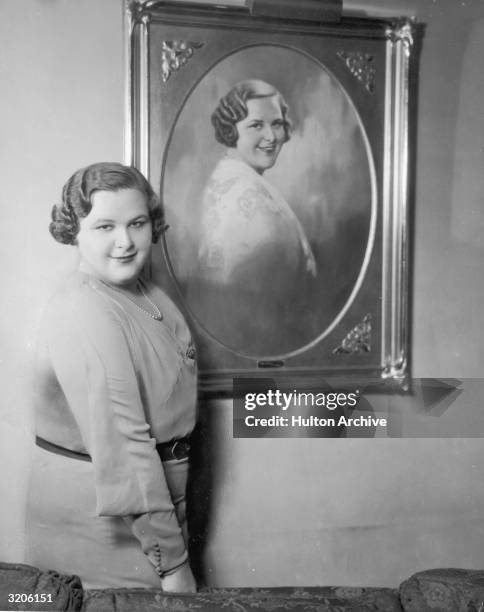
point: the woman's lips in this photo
(124, 258)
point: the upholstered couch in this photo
(438, 590)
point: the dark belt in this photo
(60, 450)
(168, 451)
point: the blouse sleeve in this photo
(94, 362)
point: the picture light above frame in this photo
(288, 252)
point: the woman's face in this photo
(114, 240)
(261, 134)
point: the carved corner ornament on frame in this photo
(175, 54)
(358, 339)
(360, 66)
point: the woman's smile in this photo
(124, 258)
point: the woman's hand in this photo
(181, 581)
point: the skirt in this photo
(64, 534)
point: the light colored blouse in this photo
(253, 257)
(243, 214)
(113, 382)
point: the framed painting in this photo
(280, 151)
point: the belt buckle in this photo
(180, 449)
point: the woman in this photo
(115, 398)
(251, 240)
(242, 211)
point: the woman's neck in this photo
(130, 288)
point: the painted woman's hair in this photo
(232, 108)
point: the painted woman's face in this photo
(261, 134)
(114, 240)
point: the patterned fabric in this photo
(437, 590)
(253, 255)
(242, 213)
(314, 599)
(443, 590)
(61, 592)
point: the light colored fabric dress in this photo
(244, 214)
(254, 257)
(111, 382)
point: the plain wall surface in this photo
(61, 75)
(303, 512)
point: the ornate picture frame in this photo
(288, 256)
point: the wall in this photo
(61, 72)
(283, 511)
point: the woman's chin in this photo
(266, 166)
(268, 161)
(122, 278)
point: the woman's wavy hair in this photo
(232, 108)
(104, 176)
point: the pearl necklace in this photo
(157, 316)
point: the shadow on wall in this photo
(208, 473)
(200, 492)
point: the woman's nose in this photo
(268, 133)
(123, 238)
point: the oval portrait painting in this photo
(268, 185)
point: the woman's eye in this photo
(105, 228)
(138, 224)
